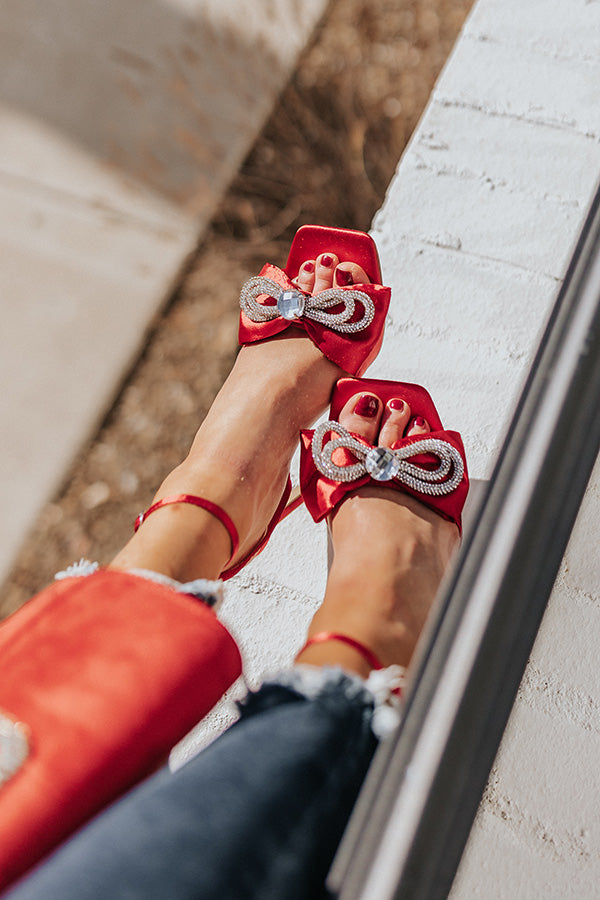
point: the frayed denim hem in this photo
(209, 592)
(378, 695)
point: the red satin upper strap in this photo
(322, 636)
(202, 502)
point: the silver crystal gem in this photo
(291, 304)
(381, 464)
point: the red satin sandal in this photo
(345, 323)
(430, 467)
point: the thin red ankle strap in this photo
(208, 505)
(322, 636)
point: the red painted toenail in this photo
(308, 267)
(419, 421)
(344, 277)
(396, 403)
(366, 406)
(327, 261)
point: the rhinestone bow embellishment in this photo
(384, 464)
(293, 304)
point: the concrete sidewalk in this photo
(121, 125)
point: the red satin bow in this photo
(352, 352)
(321, 495)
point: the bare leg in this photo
(241, 455)
(261, 810)
(390, 553)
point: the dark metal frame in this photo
(414, 815)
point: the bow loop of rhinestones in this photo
(384, 464)
(316, 307)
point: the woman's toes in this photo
(418, 425)
(305, 279)
(348, 273)
(361, 415)
(394, 422)
(324, 269)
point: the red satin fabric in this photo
(321, 495)
(349, 246)
(352, 352)
(107, 672)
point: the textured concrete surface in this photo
(494, 189)
(121, 125)
(474, 237)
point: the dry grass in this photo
(326, 155)
(331, 146)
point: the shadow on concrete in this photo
(161, 92)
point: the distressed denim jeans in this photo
(257, 814)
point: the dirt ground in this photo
(326, 155)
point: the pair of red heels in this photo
(346, 324)
(94, 690)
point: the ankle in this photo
(372, 636)
(336, 648)
(181, 541)
(335, 654)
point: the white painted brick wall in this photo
(476, 232)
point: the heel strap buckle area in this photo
(203, 503)
(322, 636)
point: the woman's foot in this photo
(241, 455)
(390, 553)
